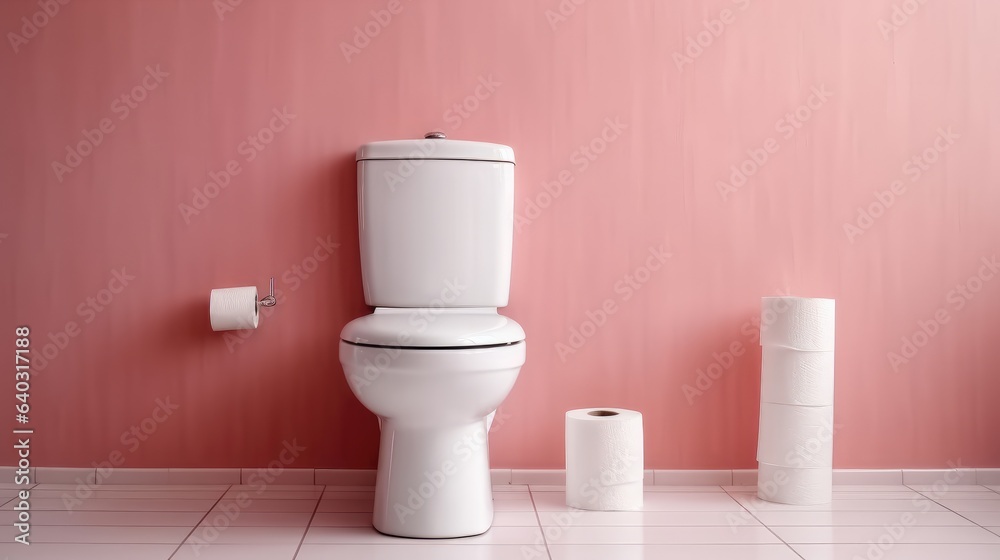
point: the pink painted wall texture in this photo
(677, 160)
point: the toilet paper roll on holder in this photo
(268, 300)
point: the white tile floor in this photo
(284, 522)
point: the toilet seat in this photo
(433, 328)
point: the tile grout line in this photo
(765, 525)
(311, 518)
(948, 508)
(731, 473)
(538, 518)
(200, 521)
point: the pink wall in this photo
(550, 87)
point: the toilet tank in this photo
(436, 222)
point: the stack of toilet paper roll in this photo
(795, 442)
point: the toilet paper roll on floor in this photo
(795, 436)
(795, 322)
(795, 486)
(604, 459)
(802, 377)
(233, 309)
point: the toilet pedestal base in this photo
(433, 482)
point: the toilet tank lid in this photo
(436, 148)
(432, 328)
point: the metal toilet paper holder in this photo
(268, 300)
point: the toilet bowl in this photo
(432, 403)
(435, 359)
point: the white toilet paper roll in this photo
(234, 308)
(795, 436)
(789, 376)
(604, 459)
(794, 322)
(800, 487)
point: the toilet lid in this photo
(433, 328)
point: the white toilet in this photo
(435, 359)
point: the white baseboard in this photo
(863, 477)
(548, 477)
